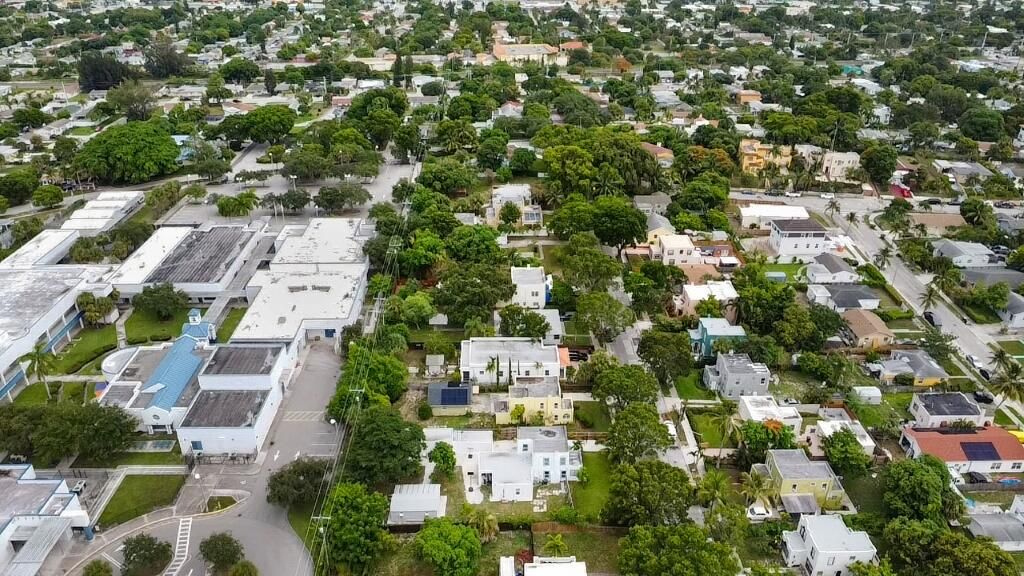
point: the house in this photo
(762, 215)
(797, 240)
(826, 545)
(830, 269)
(541, 566)
(540, 398)
(1005, 529)
(965, 254)
(676, 250)
(869, 331)
(520, 53)
(826, 428)
(494, 360)
(803, 485)
(658, 226)
(664, 156)
(415, 504)
(518, 195)
(993, 275)
(918, 364)
(942, 409)
(765, 408)
(721, 291)
(1013, 316)
(652, 203)
(37, 517)
(532, 287)
(450, 398)
(986, 450)
(937, 223)
(735, 375)
(744, 97)
(755, 155)
(711, 330)
(843, 297)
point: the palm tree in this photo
(1002, 359)
(40, 364)
(756, 487)
(947, 280)
(832, 208)
(713, 489)
(883, 257)
(851, 217)
(722, 419)
(1008, 385)
(930, 297)
(485, 523)
(921, 230)
(555, 546)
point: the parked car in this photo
(975, 361)
(1001, 250)
(932, 319)
(983, 397)
(773, 193)
(930, 201)
(984, 374)
(976, 478)
(828, 195)
(1004, 204)
(671, 427)
(793, 194)
(758, 512)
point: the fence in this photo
(992, 487)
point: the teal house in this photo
(711, 330)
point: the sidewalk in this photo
(122, 333)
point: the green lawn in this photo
(298, 518)
(31, 395)
(951, 367)
(169, 458)
(575, 336)
(1002, 419)
(866, 492)
(82, 130)
(599, 549)
(1013, 347)
(420, 335)
(216, 503)
(895, 404)
(980, 314)
(140, 495)
(403, 561)
(590, 499)
(227, 327)
(688, 387)
(88, 345)
(142, 327)
(791, 270)
(902, 324)
(707, 432)
(1003, 499)
(595, 415)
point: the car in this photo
(793, 194)
(828, 195)
(976, 478)
(671, 429)
(975, 361)
(790, 401)
(983, 397)
(1000, 249)
(758, 512)
(984, 374)
(932, 319)
(773, 193)
(1004, 204)
(747, 192)
(930, 201)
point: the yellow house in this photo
(539, 399)
(754, 155)
(793, 473)
(744, 97)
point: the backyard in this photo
(688, 387)
(77, 392)
(404, 562)
(597, 546)
(591, 416)
(231, 321)
(140, 495)
(589, 499)
(88, 345)
(142, 327)
(894, 405)
(707, 431)
(576, 336)
(170, 457)
(505, 511)
(1013, 347)
(980, 314)
(866, 492)
(792, 270)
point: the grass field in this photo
(980, 314)
(594, 413)
(552, 264)
(866, 492)
(298, 518)
(169, 458)
(1002, 419)
(576, 336)
(231, 320)
(142, 327)
(1013, 347)
(791, 270)
(590, 499)
(708, 432)
(688, 387)
(403, 561)
(1003, 499)
(31, 395)
(216, 503)
(893, 405)
(88, 345)
(902, 324)
(599, 549)
(140, 495)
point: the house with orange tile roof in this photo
(987, 450)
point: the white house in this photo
(762, 215)
(831, 269)
(986, 450)
(1013, 316)
(491, 360)
(798, 240)
(825, 545)
(676, 249)
(721, 290)
(519, 195)
(416, 503)
(37, 516)
(966, 254)
(843, 297)
(764, 408)
(941, 409)
(532, 287)
(826, 428)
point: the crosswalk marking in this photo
(110, 559)
(303, 416)
(180, 547)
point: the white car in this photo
(828, 196)
(671, 429)
(793, 194)
(758, 512)
(975, 362)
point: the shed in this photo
(435, 364)
(779, 277)
(416, 503)
(868, 394)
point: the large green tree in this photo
(879, 161)
(386, 449)
(682, 550)
(144, 555)
(472, 291)
(602, 315)
(919, 489)
(620, 386)
(617, 222)
(449, 548)
(355, 537)
(637, 434)
(521, 322)
(584, 266)
(667, 354)
(650, 493)
(129, 154)
(297, 483)
(269, 123)
(162, 301)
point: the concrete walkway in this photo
(119, 326)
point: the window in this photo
(794, 487)
(814, 551)
(541, 404)
(197, 446)
(548, 372)
(1015, 466)
(547, 461)
(996, 466)
(562, 460)
(517, 491)
(528, 373)
(831, 560)
(556, 405)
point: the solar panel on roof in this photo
(455, 397)
(979, 451)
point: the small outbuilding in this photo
(416, 503)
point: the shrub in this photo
(424, 411)
(567, 515)
(894, 314)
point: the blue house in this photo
(711, 330)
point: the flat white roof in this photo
(827, 428)
(721, 289)
(26, 296)
(104, 204)
(39, 248)
(774, 211)
(123, 196)
(85, 224)
(527, 275)
(763, 408)
(287, 299)
(94, 214)
(325, 240)
(479, 351)
(148, 257)
(676, 241)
